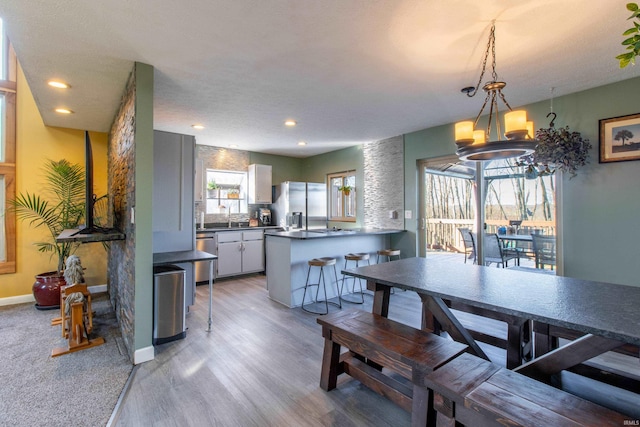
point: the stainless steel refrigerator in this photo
(300, 205)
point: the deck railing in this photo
(443, 234)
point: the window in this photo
(226, 190)
(342, 196)
(8, 69)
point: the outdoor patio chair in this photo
(469, 244)
(495, 253)
(544, 248)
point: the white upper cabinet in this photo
(259, 184)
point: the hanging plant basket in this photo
(557, 149)
(346, 189)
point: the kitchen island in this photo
(287, 253)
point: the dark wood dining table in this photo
(607, 314)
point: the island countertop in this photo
(288, 254)
(324, 233)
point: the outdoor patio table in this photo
(515, 237)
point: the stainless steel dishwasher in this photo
(205, 242)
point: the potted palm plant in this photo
(61, 206)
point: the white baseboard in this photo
(96, 289)
(21, 299)
(143, 355)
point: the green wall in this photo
(143, 194)
(283, 168)
(317, 167)
(598, 209)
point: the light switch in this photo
(133, 215)
(407, 214)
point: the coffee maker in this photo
(265, 216)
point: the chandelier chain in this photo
(516, 141)
(492, 42)
(504, 100)
(491, 47)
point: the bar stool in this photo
(322, 263)
(389, 253)
(357, 258)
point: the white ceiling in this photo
(348, 71)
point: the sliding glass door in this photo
(505, 200)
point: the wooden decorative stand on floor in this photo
(77, 324)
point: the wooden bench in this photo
(375, 342)
(472, 391)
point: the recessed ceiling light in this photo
(302, 143)
(290, 123)
(233, 146)
(58, 84)
(197, 127)
(63, 111)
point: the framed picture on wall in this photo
(620, 138)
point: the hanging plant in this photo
(346, 189)
(557, 149)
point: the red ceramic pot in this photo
(46, 290)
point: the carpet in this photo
(79, 389)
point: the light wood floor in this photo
(260, 366)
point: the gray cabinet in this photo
(229, 253)
(259, 184)
(240, 252)
(173, 200)
(173, 205)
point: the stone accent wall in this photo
(222, 159)
(384, 183)
(121, 167)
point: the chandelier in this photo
(476, 144)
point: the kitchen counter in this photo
(287, 254)
(211, 229)
(324, 233)
(164, 258)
